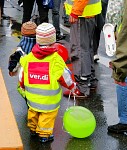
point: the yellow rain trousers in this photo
(41, 122)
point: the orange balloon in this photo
(62, 51)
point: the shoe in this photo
(33, 133)
(96, 58)
(20, 3)
(59, 36)
(5, 16)
(117, 128)
(67, 24)
(90, 81)
(46, 139)
(74, 58)
(93, 83)
(86, 79)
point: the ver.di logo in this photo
(39, 77)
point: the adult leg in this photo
(56, 19)
(0, 15)
(96, 40)
(65, 16)
(2, 7)
(87, 27)
(56, 15)
(75, 40)
(43, 12)
(27, 10)
(121, 127)
(122, 103)
(100, 20)
(81, 37)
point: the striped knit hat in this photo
(45, 34)
(28, 29)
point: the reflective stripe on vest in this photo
(42, 92)
(45, 107)
(45, 129)
(94, 7)
(90, 2)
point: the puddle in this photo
(10, 28)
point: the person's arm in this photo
(66, 81)
(78, 7)
(119, 64)
(13, 64)
(77, 10)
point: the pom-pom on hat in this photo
(45, 34)
(28, 29)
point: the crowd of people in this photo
(43, 14)
(43, 68)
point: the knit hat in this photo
(28, 29)
(45, 34)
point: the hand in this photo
(13, 73)
(110, 65)
(74, 88)
(72, 19)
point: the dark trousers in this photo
(28, 7)
(96, 40)
(100, 21)
(2, 6)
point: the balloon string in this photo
(74, 100)
(64, 129)
(69, 97)
(68, 107)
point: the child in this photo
(26, 44)
(42, 72)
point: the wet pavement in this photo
(102, 103)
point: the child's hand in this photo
(74, 88)
(13, 73)
(13, 63)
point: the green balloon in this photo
(79, 122)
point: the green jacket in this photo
(119, 64)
